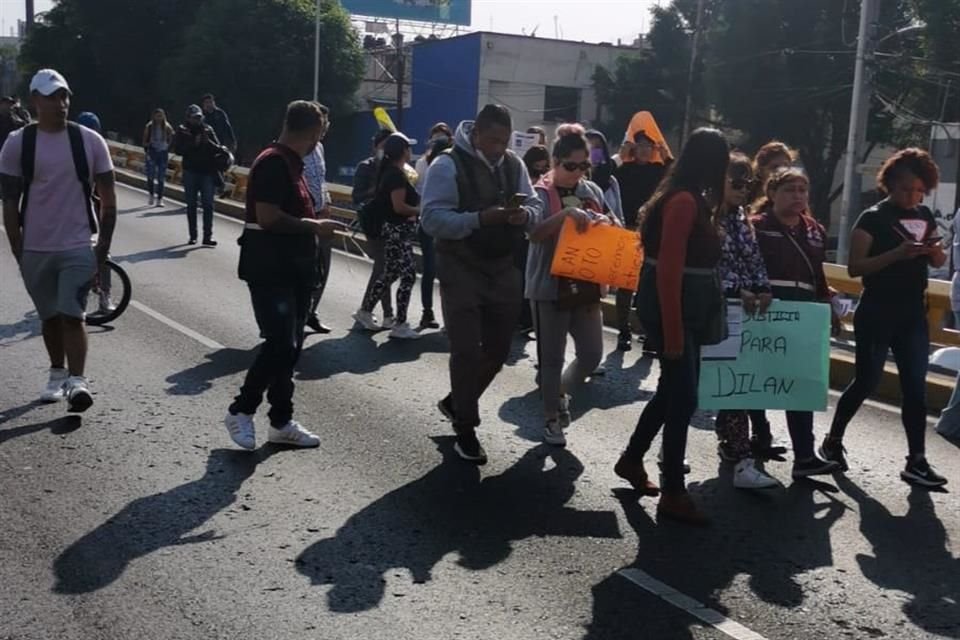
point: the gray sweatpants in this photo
(585, 326)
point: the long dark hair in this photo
(701, 169)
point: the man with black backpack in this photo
(477, 204)
(49, 171)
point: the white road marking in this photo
(173, 324)
(711, 617)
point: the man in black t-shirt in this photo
(278, 261)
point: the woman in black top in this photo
(399, 202)
(892, 246)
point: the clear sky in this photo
(590, 20)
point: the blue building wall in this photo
(445, 88)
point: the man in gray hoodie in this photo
(477, 203)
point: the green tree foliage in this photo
(123, 58)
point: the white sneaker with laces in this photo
(366, 320)
(160, 202)
(151, 201)
(294, 434)
(106, 306)
(404, 331)
(553, 434)
(241, 428)
(746, 475)
(389, 322)
(55, 391)
(79, 398)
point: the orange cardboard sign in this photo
(605, 254)
(644, 121)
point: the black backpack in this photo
(28, 158)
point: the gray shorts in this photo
(59, 282)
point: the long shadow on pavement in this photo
(23, 329)
(58, 426)
(148, 524)
(219, 364)
(358, 353)
(173, 252)
(911, 553)
(450, 509)
(772, 538)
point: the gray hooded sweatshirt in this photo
(438, 208)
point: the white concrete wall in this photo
(515, 71)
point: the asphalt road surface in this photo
(141, 520)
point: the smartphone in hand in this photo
(516, 200)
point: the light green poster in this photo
(776, 360)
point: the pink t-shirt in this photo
(56, 217)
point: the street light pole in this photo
(694, 52)
(316, 58)
(29, 13)
(857, 136)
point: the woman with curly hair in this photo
(771, 157)
(892, 247)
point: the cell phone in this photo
(516, 200)
(932, 242)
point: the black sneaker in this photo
(763, 449)
(209, 242)
(428, 321)
(624, 342)
(313, 321)
(834, 451)
(814, 467)
(446, 408)
(468, 447)
(920, 472)
(192, 241)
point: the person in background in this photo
(539, 131)
(680, 236)
(278, 261)
(477, 202)
(557, 309)
(537, 161)
(315, 173)
(769, 159)
(602, 172)
(11, 118)
(401, 205)
(744, 277)
(949, 423)
(364, 189)
(197, 143)
(157, 138)
(892, 247)
(638, 177)
(428, 250)
(793, 245)
(218, 119)
(438, 133)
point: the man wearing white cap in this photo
(49, 171)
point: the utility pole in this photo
(859, 116)
(316, 58)
(30, 13)
(694, 53)
(398, 42)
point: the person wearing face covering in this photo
(537, 161)
(602, 172)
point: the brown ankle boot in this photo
(680, 507)
(634, 473)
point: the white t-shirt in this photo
(56, 218)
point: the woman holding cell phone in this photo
(892, 247)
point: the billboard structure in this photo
(443, 11)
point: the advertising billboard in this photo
(446, 11)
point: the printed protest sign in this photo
(605, 254)
(521, 142)
(783, 362)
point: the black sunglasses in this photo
(739, 184)
(576, 166)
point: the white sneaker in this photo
(160, 202)
(746, 475)
(55, 391)
(241, 429)
(294, 434)
(151, 200)
(389, 322)
(404, 331)
(106, 305)
(553, 433)
(563, 412)
(367, 321)
(79, 398)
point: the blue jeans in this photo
(880, 327)
(193, 184)
(156, 170)
(671, 409)
(429, 274)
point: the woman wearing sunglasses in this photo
(680, 300)
(744, 277)
(563, 306)
(892, 247)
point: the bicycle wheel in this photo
(109, 295)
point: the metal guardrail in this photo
(938, 296)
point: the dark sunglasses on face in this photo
(576, 166)
(739, 184)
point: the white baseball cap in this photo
(46, 82)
